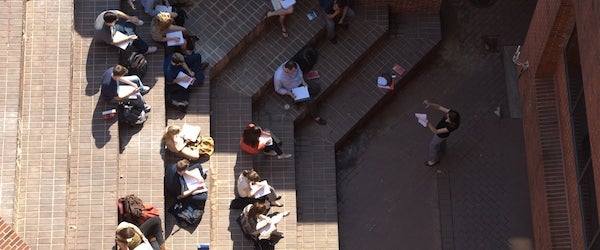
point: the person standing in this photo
(449, 122)
(336, 12)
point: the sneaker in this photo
(144, 90)
(147, 107)
(284, 156)
(320, 121)
(271, 153)
(151, 50)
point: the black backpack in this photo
(131, 115)
(306, 58)
(135, 62)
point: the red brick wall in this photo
(9, 240)
(549, 32)
(566, 132)
(405, 5)
(588, 29)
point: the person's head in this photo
(251, 175)
(182, 166)
(177, 58)
(163, 21)
(110, 18)
(454, 118)
(257, 209)
(124, 235)
(251, 134)
(119, 70)
(170, 132)
(290, 67)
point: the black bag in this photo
(177, 97)
(187, 213)
(306, 58)
(131, 115)
(135, 62)
(181, 17)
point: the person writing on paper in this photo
(113, 77)
(249, 185)
(193, 189)
(162, 24)
(289, 76)
(449, 122)
(191, 65)
(281, 13)
(175, 141)
(255, 223)
(336, 12)
(129, 237)
(255, 139)
(110, 23)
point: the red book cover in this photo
(398, 69)
(313, 74)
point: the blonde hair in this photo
(169, 132)
(163, 21)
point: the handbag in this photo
(187, 213)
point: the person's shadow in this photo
(101, 127)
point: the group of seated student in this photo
(115, 27)
(109, 24)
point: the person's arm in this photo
(435, 106)
(280, 89)
(336, 11)
(132, 19)
(344, 12)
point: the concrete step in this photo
(369, 26)
(349, 101)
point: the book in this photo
(301, 93)
(190, 132)
(118, 36)
(187, 83)
(126, 89)
(313, 74)
(311, 15)
(282, 4)
(163, 8)
(178, 34)
(398, 69)
(261, 190)
(422, 119)
(193, 183)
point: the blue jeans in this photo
(436, 146)
(332, 22)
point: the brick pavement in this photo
(87, 175)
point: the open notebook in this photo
(193, 183)
(301, 93)
(279, 4)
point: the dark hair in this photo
(110, 17)
(177, 58)
(250, 135)
(291, 64)
(183, 165)
(124, 234)
(454, 118)
(257, 209)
